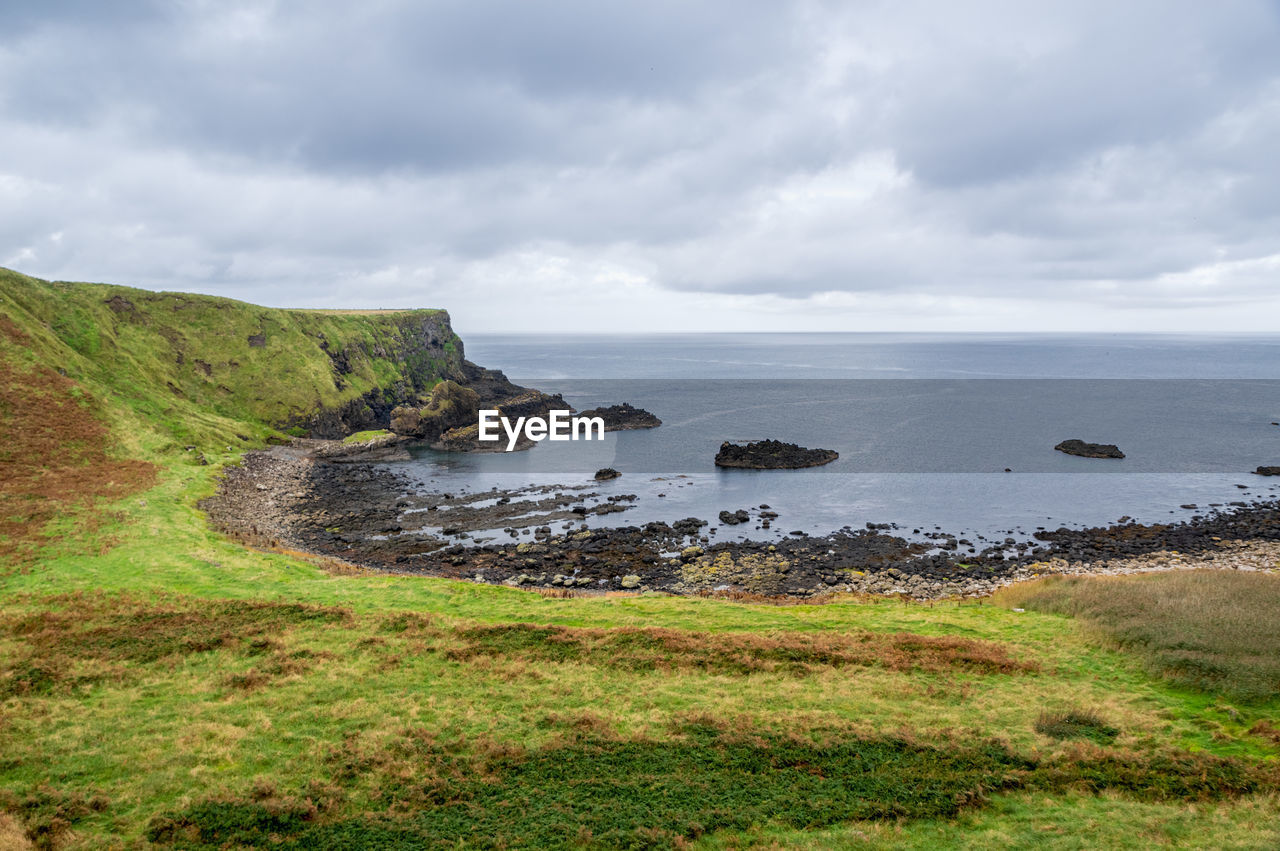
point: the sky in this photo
(588, 166)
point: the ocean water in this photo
(926, 426)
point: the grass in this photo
(366, 436)
(1076, 724)
(211, 371)
(160, 684)
(57, 452)
(611, 793)
(1213, 631)
(797, 654)
(326, 724)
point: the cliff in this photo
(203, 367)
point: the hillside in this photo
(200, 366)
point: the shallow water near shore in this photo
(920, 446)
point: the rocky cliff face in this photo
(408, 354)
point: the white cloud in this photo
(807, 165)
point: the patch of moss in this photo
(366, 436)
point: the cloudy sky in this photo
(588, 165)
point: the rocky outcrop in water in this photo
(623, 417)
(1089, 450)
(449, 418)
(529, 403)
(449, 406)
(1268, 471)
(772, 455)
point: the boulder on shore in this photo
(622, 417)
(772, 455)
(1089, 450)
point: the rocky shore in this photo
(293, 497)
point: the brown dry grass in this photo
(12, 834)
(735, 653)
(111, 632)
(340, 311)
(43, 816)
(1213, 630)
(1266, 730)
(54, 454)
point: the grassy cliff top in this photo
(203, 367)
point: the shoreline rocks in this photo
(1089, 450)
(386, 447)
(370, 516)
(1267, 471)
(772, 455)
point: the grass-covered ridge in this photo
(199, 366)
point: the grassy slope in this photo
(234, 723)
(183, 363)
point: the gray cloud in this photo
(609, 164)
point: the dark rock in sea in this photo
(733, 518)
(623, 417)
(772, 455)
(1089, 450)
(1268, 471)
(604, 474)
(688, 526)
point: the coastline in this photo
(301, 498)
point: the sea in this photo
(935, 432)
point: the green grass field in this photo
(162, 686)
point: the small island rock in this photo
(1089, 450)
(772, 455)
(622, 417)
